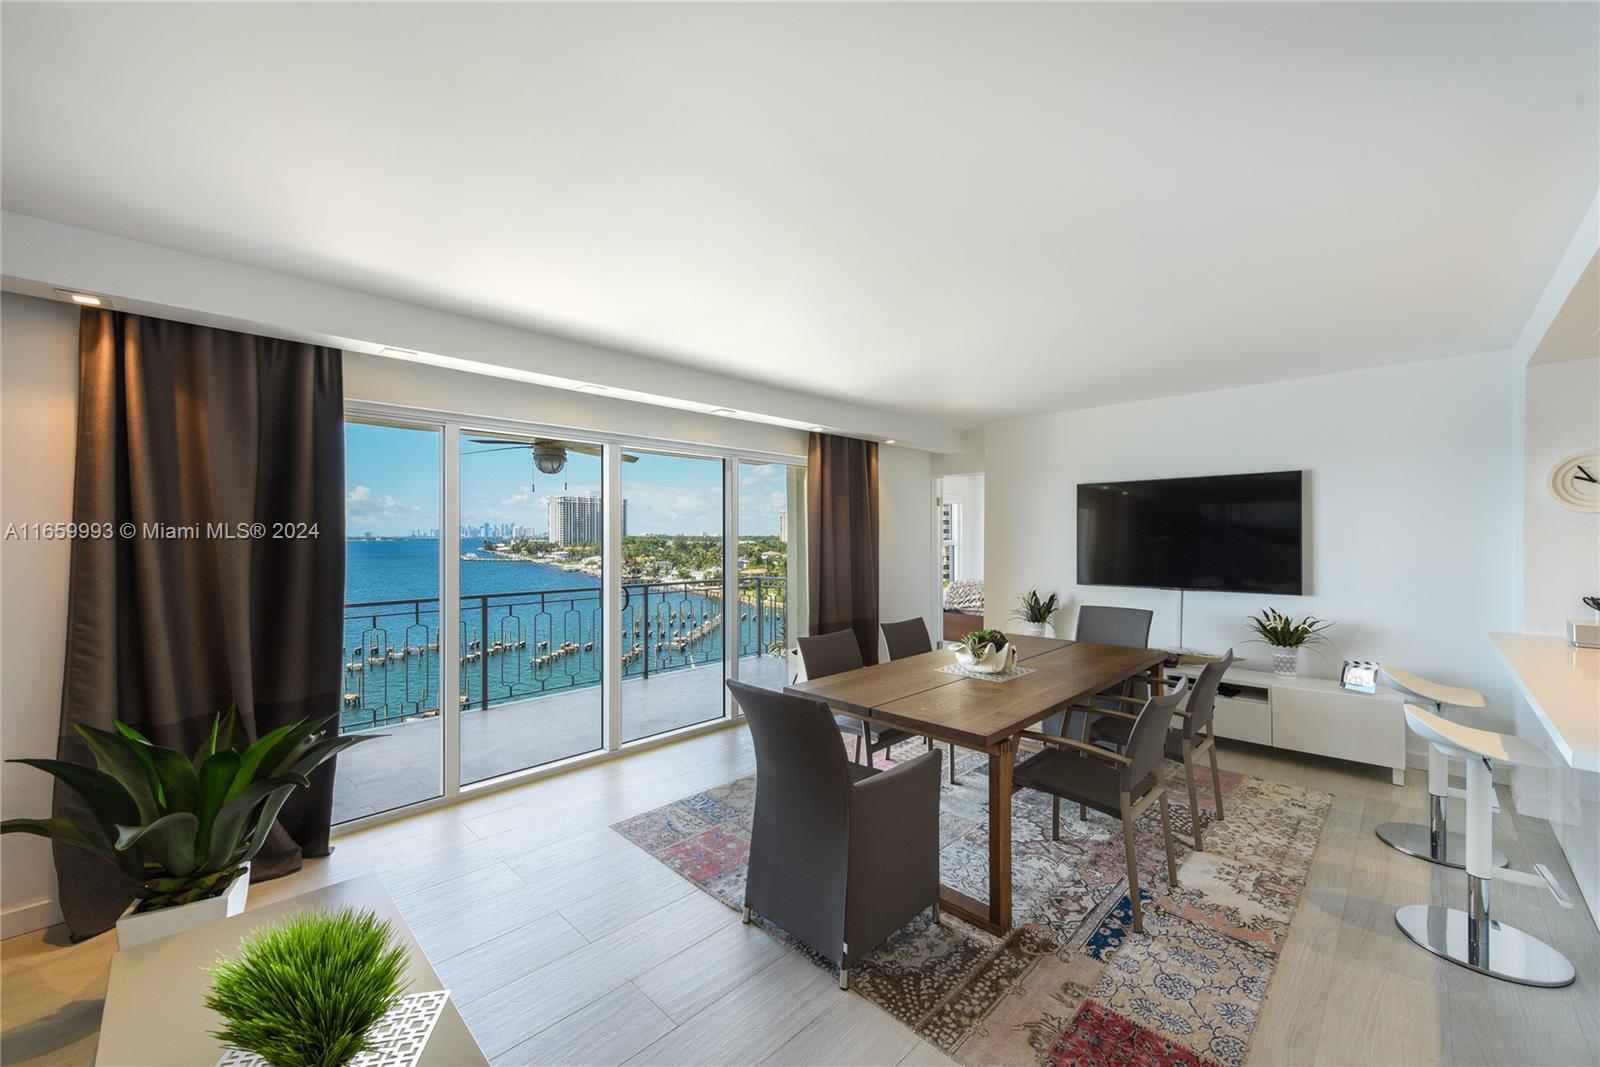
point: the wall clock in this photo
(1575, 481)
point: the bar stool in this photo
(1433, 842)
(1472, 938)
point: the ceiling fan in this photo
(549, 456)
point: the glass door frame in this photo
(450, 426)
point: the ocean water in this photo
(542, 624)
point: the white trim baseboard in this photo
(25, 918)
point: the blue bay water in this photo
(532, 611)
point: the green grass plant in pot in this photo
(183, 829)
(306, 991)
(1287, 637)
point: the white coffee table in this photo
(155, 1014)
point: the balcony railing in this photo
(514, 646)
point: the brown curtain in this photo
(842, 529)
(179, 427)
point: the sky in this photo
(392, 486)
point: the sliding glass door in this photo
(772, 578)
(531, 650)
(516, 597)
(672, 591)
(392, 621)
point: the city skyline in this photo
(392, 487)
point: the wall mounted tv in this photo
(1238, 533)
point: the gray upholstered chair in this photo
(1193, 738)
(1119, 784)
(841, 856)
(1103, 625)
(910, 638)
(836, 653)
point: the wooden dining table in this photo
(914, 695)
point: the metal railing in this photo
(515, 646)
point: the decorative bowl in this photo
(987, 659)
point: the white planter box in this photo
(144, 927)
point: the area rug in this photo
(1072, 983)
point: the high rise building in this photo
(580, 519)
(783, 526)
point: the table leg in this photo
(995, 916)
(1158, 680)
(1000, 762)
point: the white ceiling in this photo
(957, 211)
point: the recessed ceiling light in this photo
(591, 388)
(86, 299)
(819, 429)
(722, 411)
(398, 353)
(890, 441)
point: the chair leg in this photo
(1194, 801)
(746, 917)
(936, 916)
(844, 978)
(1216, 781)
(1166, 835)
(1083, 812)
(1055, 818)
(952, 764)
(1133, 867)
(930, 743)
(859, 738)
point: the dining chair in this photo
(1103, 624)
(841, 856)
(1194, 737)
(836, 653)
(910, 638)
(1119, 784)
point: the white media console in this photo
(1312, 715)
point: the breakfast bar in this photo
(1561, 686)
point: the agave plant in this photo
(1280, 631)
(1032, 608)
(183, 828)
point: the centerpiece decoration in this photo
(1287, 637)
(986, 652)
(307, 991)
(184, 830)
(1034, 612)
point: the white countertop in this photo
(1562, 684)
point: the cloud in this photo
(360, 492)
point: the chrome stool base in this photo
(1414, 839)
(1506, 953)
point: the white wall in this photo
(906, 579)
(1410, 470)
(1561, 548)
(38, 420)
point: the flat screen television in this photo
(1237, 533)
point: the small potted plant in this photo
(986, 652)
(185, 830)
(305, 992)
(1287, 637)
(1034, 613)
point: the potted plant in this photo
(1287, 637)
(183, 829)
(986, 652)
(305, 992)
(1034, 613)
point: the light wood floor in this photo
(563, 943)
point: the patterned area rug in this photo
(1072, 983)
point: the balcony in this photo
(529, 679)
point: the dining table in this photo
(916, 695)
